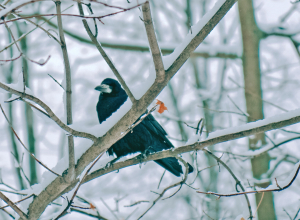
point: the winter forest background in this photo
(246, 69)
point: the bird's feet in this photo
(110, 163)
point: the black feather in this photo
(147, 137)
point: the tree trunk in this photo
(253, 93)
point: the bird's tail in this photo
(172, 165)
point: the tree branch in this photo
(50, 113)
(154, 48)
(13, 206)
(262, 126)
(68, 90)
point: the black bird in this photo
(147, 137)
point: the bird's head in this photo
(110, 87)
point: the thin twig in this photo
(37, 26)
(296, 214)
(10, 215)
(261, 199)
(17, 193)
(136, 203)
(21, 168)
(56, 81)
(13, 59)
(222, 111)
(24, 35)
(287, 214)
(162, 176)
(12, 36)
(71, 15)
(257, 96)
(244, 113)
(21, 53)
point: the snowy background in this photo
(204, 77)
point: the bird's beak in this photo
(104, 88)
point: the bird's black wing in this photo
(107, 106)
(160, 142)
(157, 132)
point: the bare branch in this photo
(71, 173)
(27, 197)
(70, 15)
(156, 53)
(13, 206)
(50, 113)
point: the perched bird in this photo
(147, 137)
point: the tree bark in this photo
(252, 80)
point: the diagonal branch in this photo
(50, 113)
(105, 57)
(13, 206)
